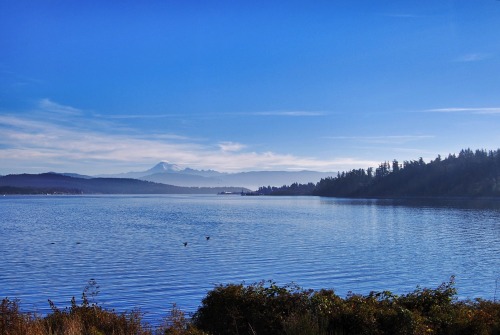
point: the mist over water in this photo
(51, 246)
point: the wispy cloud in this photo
(383, 139)
(215, 114)
(50, 106)
(291, 113)
(481, 110)
(231, 146)
(473, 57)
(68, 143)
(168, 137)
(139, 116)
(401, 15)
(16, 79)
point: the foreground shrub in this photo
(254, 309)
(92, 319)
(88, 318)
(13, 322)
(176, 323)
(265, 308)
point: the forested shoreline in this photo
(468, 174)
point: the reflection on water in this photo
(133, 246)
(423, 202)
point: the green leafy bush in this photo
(265, 308)
(260, 308)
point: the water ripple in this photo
(133, 247)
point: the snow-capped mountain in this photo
(172, 174)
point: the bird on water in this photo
(185, 244)
(207, 237)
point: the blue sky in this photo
(102, 87)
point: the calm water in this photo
(133, 247)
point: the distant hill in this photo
(172, 174)
(53, 183)
(75, 175)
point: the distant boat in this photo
(250, 193)
(228, 193)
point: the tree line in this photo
(470, 174)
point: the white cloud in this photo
(473, 57)
(383, 139)
(231, 146)
(290, 113)
(69, 144)
(50, 106)
(140, 116)
(205, 115)
(169, 137)
(487, 110)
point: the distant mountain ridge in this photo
(54, 183)
(172, 174)
(162, 167)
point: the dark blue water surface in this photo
(51, 246)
